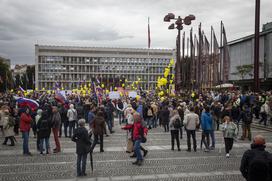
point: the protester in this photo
(98, 128)
(56, 122)
(191, 120)
(206, 125)
(83, 147)
(44, 131)
(8, 127)
(64, 120)
(164, 117)
(72, 118)
(256, 163)
(175, 124)
(139, 135)
(120, 110)
(246, 116)
(230, 131)
(25, 121)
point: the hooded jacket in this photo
(206, 121)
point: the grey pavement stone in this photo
(143, 177)
(120, 178)
(114, 164)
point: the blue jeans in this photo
(154, 121)
(213, 138)
(109, 123)
(46, 141)
(121, 116)
(81, 164)
(137, 149)
(25, 136)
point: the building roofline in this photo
(246, 38)
(106, 48)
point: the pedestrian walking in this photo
(56, 122)
(230, 131)
(206, 125)
(98, 127)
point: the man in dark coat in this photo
(98, 128)
(256, 162)
(44, 131)
(164, 117)
(83, 147)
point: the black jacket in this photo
(44, 127)
(83, 143)
(247, 159)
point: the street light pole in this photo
(179, 26)
(256, 47)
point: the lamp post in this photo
(179, 26)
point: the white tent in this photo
(224, 86)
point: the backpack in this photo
(247, 117)
(44, 125)
(149, 112)
(260, 167)
(177, 124)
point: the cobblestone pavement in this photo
(114, 164)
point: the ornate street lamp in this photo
(179, 26)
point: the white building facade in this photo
(242, 53)
(70, 66)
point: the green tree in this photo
(5, 77)
(244, 70)
(30, 74)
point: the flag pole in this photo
(149, 42)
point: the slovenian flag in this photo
(24, 102)
(60, 97)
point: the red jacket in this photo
(136, 130)
(25, 120)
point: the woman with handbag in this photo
(139, 136)
(8, 126)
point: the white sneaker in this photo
(227, 155)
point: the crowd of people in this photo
(232, 112)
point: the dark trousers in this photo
(96, 141)
(205, 139)
(228, 144)
(81, 164)
(264, 118)
(65, 125)
(166, 127)
(175, 135)
(11, 138)
(191, 133)
(181, 132)
(71, 127)
(34, 127)
(16, 128)
(257, 111)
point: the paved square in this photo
(114, 164)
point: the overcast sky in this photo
(114, 23)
